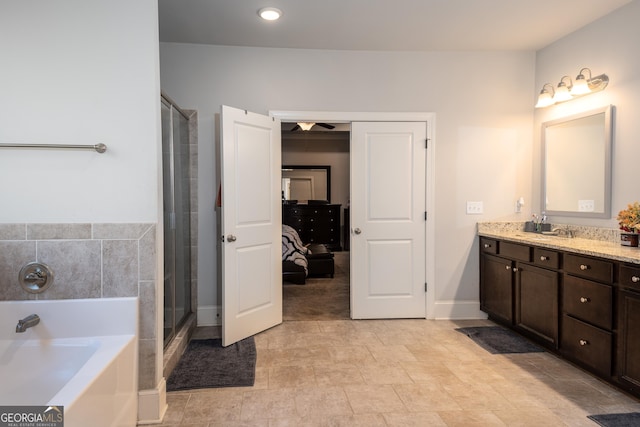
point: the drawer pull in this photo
(584, 267)
(487, 246)
(583, 342)
(515, 269)
(635, 279)
(544, 258)
(585, 299)
(508, 267)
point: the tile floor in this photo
(396, 373)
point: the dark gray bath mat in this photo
(498, 340)
(206, 364)
(631, 419)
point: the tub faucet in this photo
(28, 322)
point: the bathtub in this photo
(83, 355)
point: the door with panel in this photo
(251, 224)
(388, 219)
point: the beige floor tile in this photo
(426, 398)
(391, 353)
(366, 420)
(384, 373)
(291, 376)
(417, 419)
(471, 418)
(322, 402)
(212, 404)
(266, 404)
(529, 417)
(358, 354)
(338, 375)
(368, 399)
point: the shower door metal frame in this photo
(174, 323)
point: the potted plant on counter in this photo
(629, 221)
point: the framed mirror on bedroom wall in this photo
(306, 182)
(576, 164)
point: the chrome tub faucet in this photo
(28, 322)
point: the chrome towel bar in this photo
(100, 148)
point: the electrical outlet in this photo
(586, 205)
(474, 208)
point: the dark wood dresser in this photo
(315, 223)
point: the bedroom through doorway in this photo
(315, 197)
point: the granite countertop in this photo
(599, 244)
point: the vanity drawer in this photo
(589, 301)
(546, 258)
(590, 268)
(488, 246)
(630, 277)
(587, 345)
(515, 251)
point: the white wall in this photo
(607, 46)
(483, 103)
(79, 72)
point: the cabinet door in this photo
(536, 302)
(496, 287)
(629, 345)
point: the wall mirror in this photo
(576, 164)
(304, 183)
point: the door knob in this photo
(357, 230)
(231, 238)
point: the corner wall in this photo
(85, 72)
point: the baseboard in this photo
(152, 404)
(458, 310)
(210, 315)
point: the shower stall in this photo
(177, 176)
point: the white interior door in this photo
(251, 224)
(388, 224)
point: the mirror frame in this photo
(608, 142)
(324, 167)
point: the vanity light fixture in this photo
(562, 91)
(270, 13)
(545, 98)
(565, 92)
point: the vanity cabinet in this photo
(629, 328)
(517, 289)
(587, 307)
(536, 302)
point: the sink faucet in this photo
(566, 232)
(28, 322)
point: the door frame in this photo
(429, 118)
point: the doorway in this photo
(428, 263)
(316, 193)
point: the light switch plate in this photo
(586, 205)
(474, 208)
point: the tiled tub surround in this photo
(89, 261)
(593, 241)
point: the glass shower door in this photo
(177, 224)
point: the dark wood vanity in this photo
(582, 307)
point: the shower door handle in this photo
(231, 238)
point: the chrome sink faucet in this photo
(28, 322)
(566, 232)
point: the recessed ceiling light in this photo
(270, 13)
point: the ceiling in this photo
(390, 25)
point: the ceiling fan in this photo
(308, 125)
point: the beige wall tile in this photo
(13, 256)
(58, 231)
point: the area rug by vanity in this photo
(206, 364)
(631, 419)
(498, 340)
